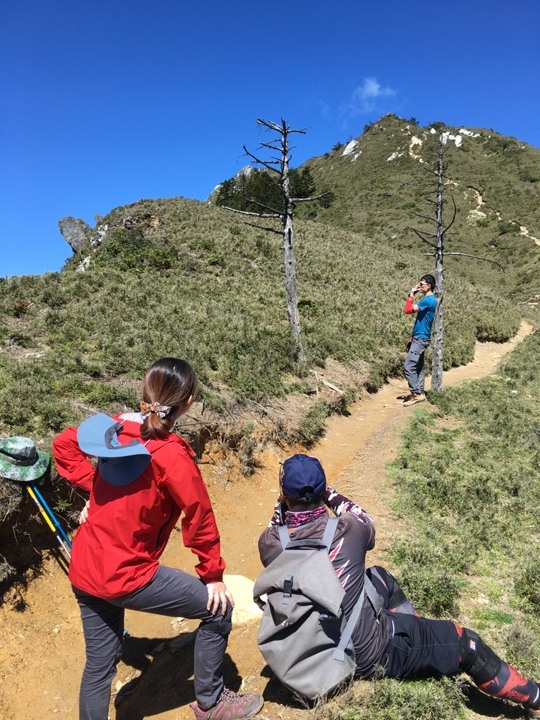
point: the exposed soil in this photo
(42, 648)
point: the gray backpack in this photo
(304, 636)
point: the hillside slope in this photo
(379, 181)
(197, 283)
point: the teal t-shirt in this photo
(424, 318)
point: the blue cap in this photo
(118, 464)
(303, 477)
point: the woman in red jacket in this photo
(134, 503)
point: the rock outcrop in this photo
(76, 232)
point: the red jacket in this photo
(116, 551)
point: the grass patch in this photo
(467, 483)
(400, 700)
(312, 427)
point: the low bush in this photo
(312, 427)
(401, 700)
(527, 585)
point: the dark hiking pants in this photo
(413, 366)
(170, 592)
(421, 648)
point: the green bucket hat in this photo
(20, 460)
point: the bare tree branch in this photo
(422, 238)
(424, 217)
(424, 233)
(429, 170)
(270, 125)
(524, 291)
(266, 229)
(281, 166)
(253, 214)
(453, 217)
(266, 163)
(273, 210)
(270, 146)
(279, 128)
(308, 199)
(477, 257)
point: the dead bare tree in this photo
(436, 242)
(278, 164)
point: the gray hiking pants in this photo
(413, 365)
(170, 592)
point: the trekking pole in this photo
(34, 493)
(52, 516)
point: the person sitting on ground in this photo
(414, 366)
(146, 477)
(399, 643)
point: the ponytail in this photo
(168, 386)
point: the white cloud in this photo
(366, 97)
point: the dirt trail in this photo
(42, 648)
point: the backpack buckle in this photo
(287, 589)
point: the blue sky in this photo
(105, 103)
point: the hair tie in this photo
(156, 408)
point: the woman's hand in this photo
(218, 596)
(83, 516)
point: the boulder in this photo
(76, 232)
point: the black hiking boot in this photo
(413, 399)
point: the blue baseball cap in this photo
(119, 464)
(302, 477)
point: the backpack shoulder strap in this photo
(329, 532)
(375, 600)
(373, 596)
(325, 542)
(283, 535)
(339, 652)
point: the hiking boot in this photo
(230, 706)
(414, 398)
(405, 397)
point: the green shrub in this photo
(507, 226)
(401, 700)
(527, 584)
(20, 307)
(433, 592)
(312, 426)
(523, 645)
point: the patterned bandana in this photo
(295, 519)
(157, 408)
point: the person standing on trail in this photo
(146, 478)
(391, 640)
(413, 365)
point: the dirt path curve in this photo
(42, 649)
